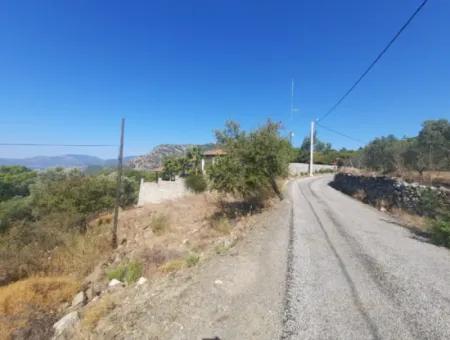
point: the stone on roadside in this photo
(79, 299)
(141, 281)
(115, 283)
(66, 323)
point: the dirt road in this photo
(354, 273)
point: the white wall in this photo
(152, 192)
(297, 168)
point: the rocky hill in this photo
(64, 161)
(154, 159)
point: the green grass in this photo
(192, 260)
(129, 272)
(440, 232)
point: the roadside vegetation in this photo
(425, 159)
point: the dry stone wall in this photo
(391, 192)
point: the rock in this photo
(218, 282)
(115, 283)
(66, 323)
(141, 281)
(79, 299)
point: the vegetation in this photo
(97, 311)
(440, 231)
(129, 272)
(252, 163)
(430, 150)
(44, 219)
(15, 181)
(159, 224)
(21, 301)
(196, 183)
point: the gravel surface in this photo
(238, 295)
(354, 273)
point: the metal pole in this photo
(119, 185)
(311, 151)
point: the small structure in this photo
(210, 157)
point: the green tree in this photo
(433, 142)
(252, 162)
(15, 181)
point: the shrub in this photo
(159, 224)
(21, 301)
(129, 272)
(97, 311)
(221, 225)
(253, 161)
(14, 209)
(440, 231)
(172, 266)
(196, 183)
(192, 260)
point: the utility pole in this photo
(119, 185)
(311, 150)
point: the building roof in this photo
(214, 152)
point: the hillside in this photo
(155, 158)
(64, 161)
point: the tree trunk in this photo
(275, 188)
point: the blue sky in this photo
(176, 70)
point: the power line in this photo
(375, 61)
(340, 133)
(67, 145)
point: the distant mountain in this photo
(64, 161)
(154, 159)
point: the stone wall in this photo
(296, 169)
(157, 192)
(389, 192)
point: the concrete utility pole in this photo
(119, 185)
(311, 151)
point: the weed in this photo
(97, 311)
(192, 260)
(172, 266)
(196, 183)
(221, 225)
(159, 224)
(22, 300)
(440, 231)
(129, 272)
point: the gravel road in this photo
(354, 273)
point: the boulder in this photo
(115, 283)
(79, 299)
(141, 281)
(66, 323)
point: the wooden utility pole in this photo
(119, 185)
(311, 151)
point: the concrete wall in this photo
(152, 192)
(298, 168)
(390, 192)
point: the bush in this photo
(23, 301)
(196, 183)
(440, 231)
(17, 208)
(128, 273)
(159, 224)
(253, 161)
(192, 260)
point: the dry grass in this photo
(20, 301)
(159, 224)
(98, 310)
(81, 252)
(414, 222)
(436, 178)
(172, 266)
(222, 225)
